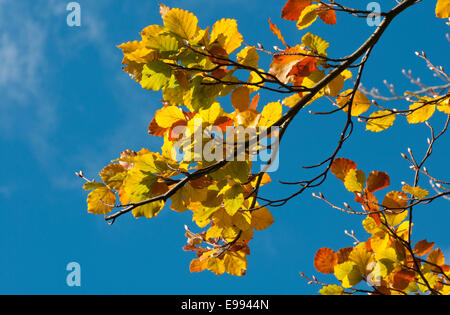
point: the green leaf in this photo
(92, 185)
(348, 273)
(156, 75)
(316, 44)
(332, 290)
(233, 198)
(355, 180)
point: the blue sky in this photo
(66, 105)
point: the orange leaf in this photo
(341, 166)
(343, 254)
(403, 278)
(304, 68)
(224, 122)
(396, 201)
(327, 15)
(254, 102)
(293, 8)
(155, 130)
(377, 181)
(325, 260)
(277, 32)
(240, 98)
(423, 247)
(198, 265)
(436, 257)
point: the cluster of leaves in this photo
(385, 261)
(195, 69)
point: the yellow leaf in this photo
(348, 273)
(361, 257)
(371, 226)
(332, 290)
(307, 17)
(316, 44)
(211, 114)
(242, 220)
(355, 180)
(292, 100)
(385, 121)
(214, 232)
(216, 265)
(168, 115)
(417, 192)
(181, 22)
(101, 200)
(270, 114)
(421, 113)
(444, 105)
(233, 198)
(226, 33)
(113, 175)
(335, 87)
(443, 9)
(261, 219)
(248, 57)
(361, 103)
(149, 210)
(394, 219)
(235, 263)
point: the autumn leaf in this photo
(332, 290)
(101, 201)
(348, 273)
(240, 98)
(361, 103)
(355, 180)
(327, 15)
(341, 167)
(380, 121)
(181, 22)
(420, 113)
(423, 247)
(261, 219)
(325, 260)
(270, 114)
(307, 17)
(276, 31)
(443, 9)
(417, 192)
(293, 9)
(395, 201)
(377, 181)
(226, 33)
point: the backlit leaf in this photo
(385, 121)
(355, 180)
(293, 9)
(341, 167)
(360, 102)
(421, 113)
(307, 17)
(443, 9)
(377, 181)
(348, 273)
(325, 260)
(181, 22)
(101, 201)
(261, 219)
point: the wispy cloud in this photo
(29, 112)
